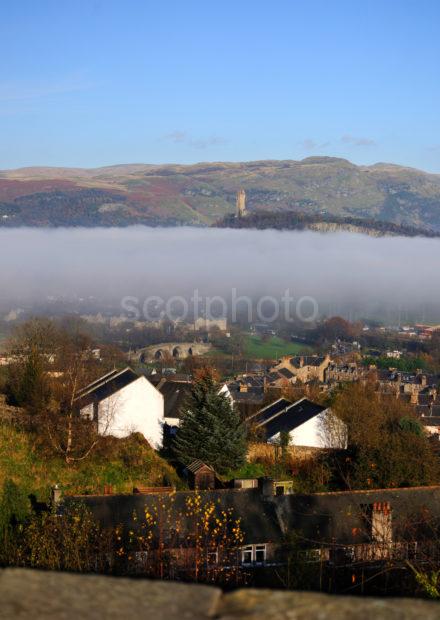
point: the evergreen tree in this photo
(211, 429)
(14, 509)
(28, 386)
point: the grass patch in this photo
(123, 463)
(273, 348)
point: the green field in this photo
(273, 348)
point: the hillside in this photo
(294, 220)
(123, 463)
(204, 193)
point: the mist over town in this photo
(352, 275)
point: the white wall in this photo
(173, 421)
(138, 407)
(432, 430)
(314, 433)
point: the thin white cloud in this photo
(357, 141)
(183, 137)
(310, 145)
(17, 91)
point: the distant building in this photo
(247, 394)
(304, 368)
(427, 331)
(123, 402)
(394, 354)
(342, 373)
(207, 325)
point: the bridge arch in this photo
(177, 352)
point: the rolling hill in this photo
(203, 193)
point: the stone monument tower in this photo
(241, 203)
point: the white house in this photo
(123, 402)
(308, 424)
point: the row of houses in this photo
(419, 389)
(123, 402)
(354, 526)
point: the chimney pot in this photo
(55, 496)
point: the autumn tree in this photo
(338, 328)
(387, 447)
(187, 536)
(31, 349)
(51, 366)
(70, 541)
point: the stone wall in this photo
(48, 595)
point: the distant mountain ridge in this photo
(204, 193)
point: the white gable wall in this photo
(224, 391)
(173, 421)
(313, 433)
(137, 407)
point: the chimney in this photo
(381, 522)
(301, 361)
(55, 496)
(267, 487)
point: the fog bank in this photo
(345, 272)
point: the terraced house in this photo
(327, 532)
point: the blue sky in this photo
(91, 83)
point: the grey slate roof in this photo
(318, 518)
(332, 517)
(285, 372)
(269, 411)
(308, 360)
(289, 418)
(259, 521)
(105, 386)
(175, 394)
(252, 395)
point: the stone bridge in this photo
(176, 350)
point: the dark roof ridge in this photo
(360, 491)
(103, 380)
(278, 413)
(99, 380)
(268, 406)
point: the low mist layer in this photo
(348, 274)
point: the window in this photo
(283, 487)
(247, 554)
(253, 553)
(141, 556)
(140, 561)
(260, 553)
(212, 557)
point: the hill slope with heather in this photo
(203, 193)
